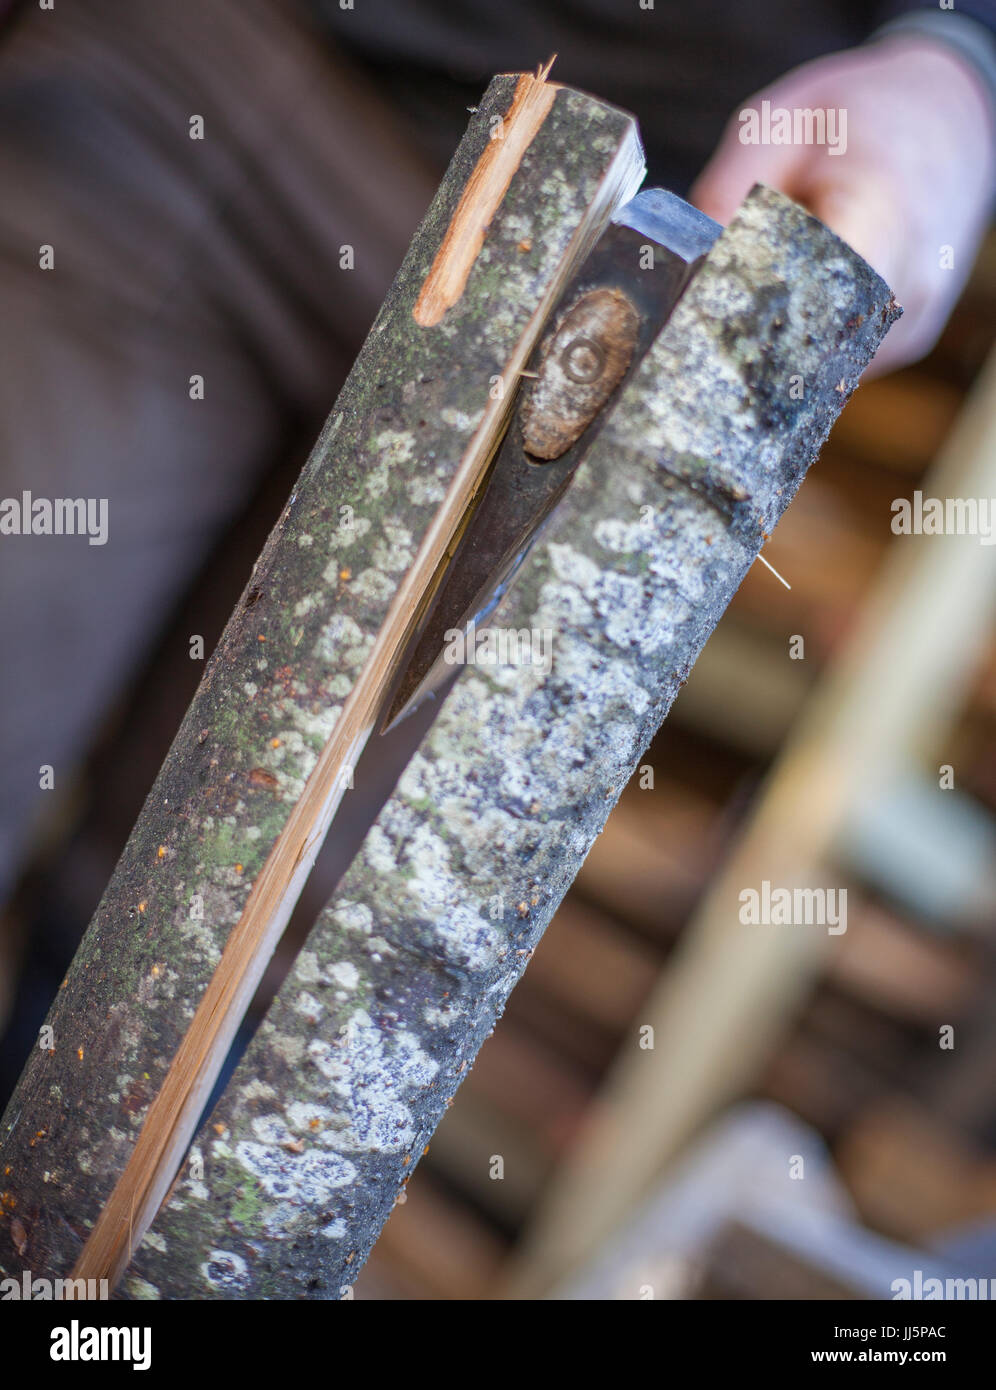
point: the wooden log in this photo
(102, 1116)
(408, 968)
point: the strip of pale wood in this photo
(485, 189)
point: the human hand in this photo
(911, 186)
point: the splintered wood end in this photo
(510, 138)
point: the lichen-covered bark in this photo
(409, 967)
(275, 687)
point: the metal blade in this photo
(670, 221)
(498, 539)
(523, 489)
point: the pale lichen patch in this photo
(395, 448)
(340, 631)
(299, 1177)
(288, 1047)
(307, 969)
(460, 419)
(308, 1005)
(442, 1017)
(380, 851)
(226, 1271)
(371, 1071)
(353, 917)
(424, 489)
(141, 1289)
(395, 552)
(344, 973)
(256, 1089)
(373, 584)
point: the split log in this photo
(407, 970)
(107, 1104)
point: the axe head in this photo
(609, 314)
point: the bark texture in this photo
(409, 967)
(274, 688)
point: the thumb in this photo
(862, 214)
(735, 168)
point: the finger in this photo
(735, 167)
(862, 213)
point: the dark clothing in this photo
(682, 67)
(173, 258)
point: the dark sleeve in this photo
(982, 11)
